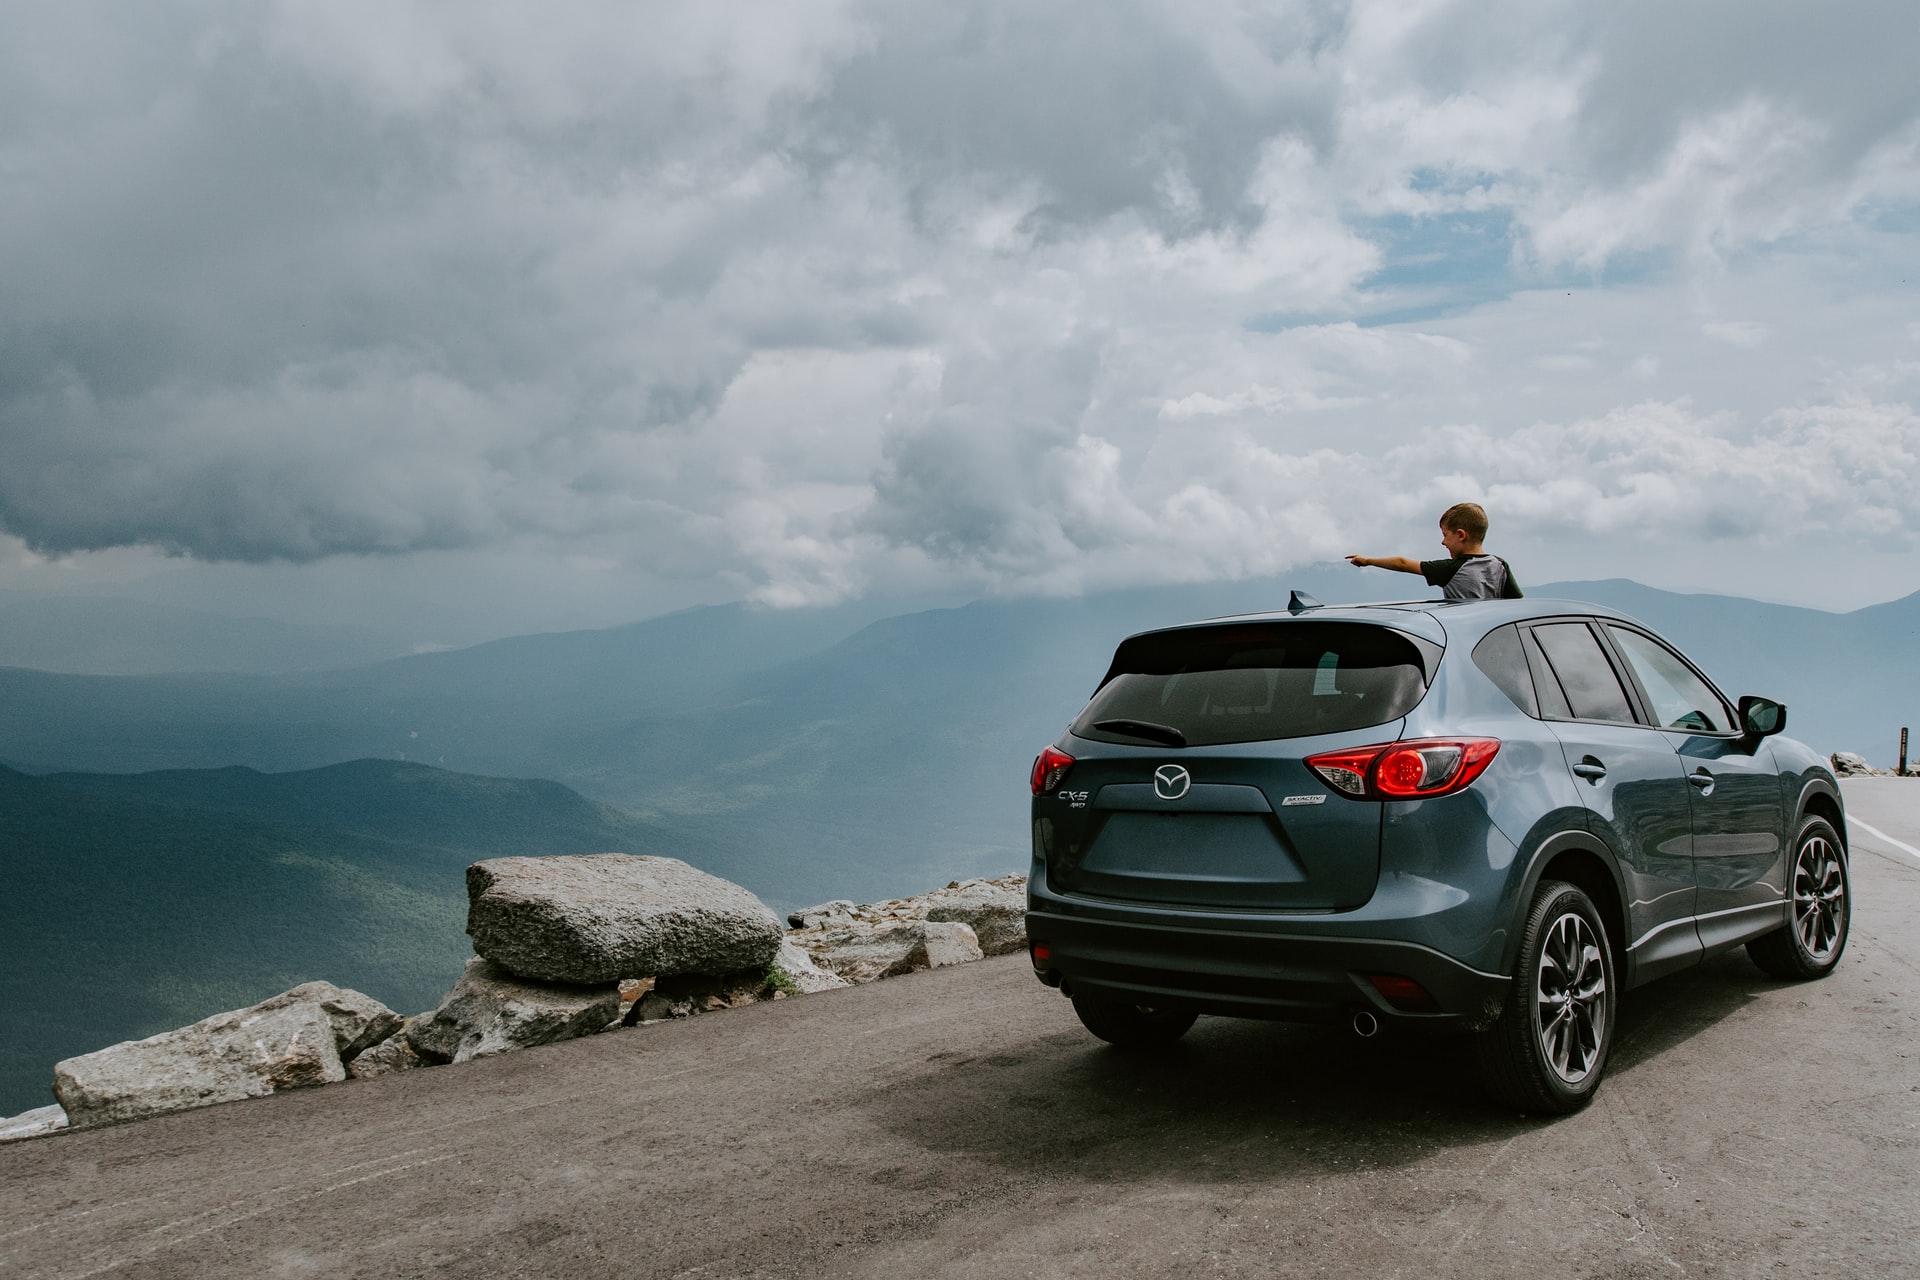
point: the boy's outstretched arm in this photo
(1399, 564)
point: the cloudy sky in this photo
(557, 315)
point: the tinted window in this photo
(1553, 703)
(1680, 698)
(1258, 681)
(1500, 656)
(1586, 677)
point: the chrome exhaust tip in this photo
(1365, 1025)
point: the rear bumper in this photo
(1217, 968)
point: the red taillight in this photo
(1049, 770)
(1417, 769)
(1346, 771)
(1041, 953)
(1403, 994)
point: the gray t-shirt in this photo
(1481, 577)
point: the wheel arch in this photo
(1583, 860)
(1819, 800)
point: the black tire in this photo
(1820, 906)
(1133, 1026)
(1549, 1049)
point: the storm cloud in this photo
(816, 297)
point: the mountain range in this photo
(840, 755)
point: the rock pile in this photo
(962, 922)
(568, 946)
(557, 936)
(1848, 765)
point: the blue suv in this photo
(1493, 816)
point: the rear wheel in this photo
(1133, 1026)
(1809, 944)
(1549, 1048)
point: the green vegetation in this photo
(777, 979)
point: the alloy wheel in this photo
(1819, 898)
(1570, 995)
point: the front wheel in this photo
(1549, 1048)
(1133, 1026)
(1809, 944)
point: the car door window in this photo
(1680, 698)
(1593, 691)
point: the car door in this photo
(1630, 779)
(1739, 845)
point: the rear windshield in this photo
(1255, 682)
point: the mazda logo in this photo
(1170, 781)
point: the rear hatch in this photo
(1189, 784)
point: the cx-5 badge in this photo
(1170, 781)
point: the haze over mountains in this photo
(528, 705)
(839, 754)
(806, 754)
(112, 635)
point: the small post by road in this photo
(1902, 770)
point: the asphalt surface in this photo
(960, 1123)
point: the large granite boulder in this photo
(246, 1053)
(996, 914)
(492, 1011)
(595, 918)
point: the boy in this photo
(1470, 573)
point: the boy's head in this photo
(1463, 526)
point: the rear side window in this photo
(1580, 666)
(1505, 663)
(1257, 681)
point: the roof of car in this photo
(1450, 619)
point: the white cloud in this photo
(811, 300)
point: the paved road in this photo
(959, 1123)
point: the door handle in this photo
(1590, 769)
(1703, 780)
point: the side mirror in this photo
(1761, 717)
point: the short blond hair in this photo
(1469, 518)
